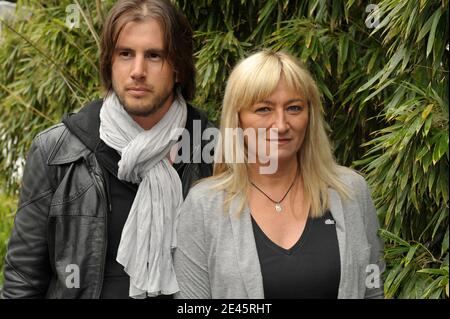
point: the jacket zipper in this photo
(104, 200)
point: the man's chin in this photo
(141, 112)
(138, 107)
(142, 106)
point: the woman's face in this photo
(285, 110)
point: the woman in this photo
(307, 229)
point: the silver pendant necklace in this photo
(278, 207)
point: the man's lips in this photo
(138, 88)
(138, 91)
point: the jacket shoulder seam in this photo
(36, 198)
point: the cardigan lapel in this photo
(246, 253)
(337, 212)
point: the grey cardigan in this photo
(217, 258)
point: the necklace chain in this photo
(278, 207)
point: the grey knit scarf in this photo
(148, 237)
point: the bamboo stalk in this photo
(27, 105)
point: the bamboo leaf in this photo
(444, 245)
(377, 92)
(440, 148)
(433, 271)
(426, 28)
(390, 279)
(391, 236)
(370, 82)
(427, 126)
(342, 52)
(410, 254)
(427, 111)
(436, 17)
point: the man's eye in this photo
(153, 56)
(125, 54)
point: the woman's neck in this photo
(284, 174)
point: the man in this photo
(100, 192)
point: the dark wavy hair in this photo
(177, 32)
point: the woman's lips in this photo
(280, 141)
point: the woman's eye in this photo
(263, 109)
(295, 108)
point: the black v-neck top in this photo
(309, 269)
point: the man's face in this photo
(141, 77)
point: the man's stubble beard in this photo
(149, 109)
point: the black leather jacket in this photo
(63, 206)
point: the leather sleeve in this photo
(27, 269)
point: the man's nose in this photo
(139, 68)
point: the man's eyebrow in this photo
(157, 51)
(123, 49)
(127, 49)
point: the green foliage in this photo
(384, 91)
(7, 208)
(415, 272)
(407, 163)
(46, 70)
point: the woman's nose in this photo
(280, 122)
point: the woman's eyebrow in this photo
(287, 102)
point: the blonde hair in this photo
(252, 80)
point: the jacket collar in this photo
(85, 136)
(66, 150)
(86, 124)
